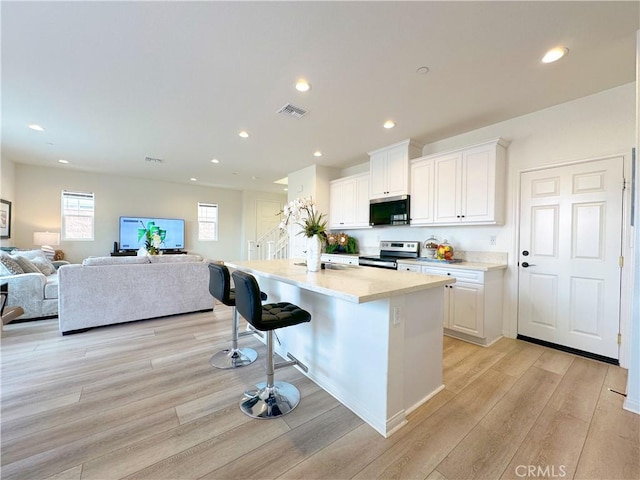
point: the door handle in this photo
(527, 265)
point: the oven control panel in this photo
(400, 246)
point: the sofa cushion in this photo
(100, 261)
(44, 265)
(26, 264)
(174, 258)
(30, 254)
(10, 266)
(51, 287)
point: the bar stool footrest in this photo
(246, 333)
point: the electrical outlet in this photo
(492, 240)
(396, 315)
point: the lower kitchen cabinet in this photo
(343, 259)
(405, 267)
(473, 305)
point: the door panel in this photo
(544, 241)
(587, 304)
(569, 278)
(267, 216)
(543, 309)
(467, 306)
(446, 173)
(478, 184)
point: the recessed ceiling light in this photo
(36, 127)
(193, 179)
(215, 160)
(422, 70)
(244, 134)
(389, 124)
(63, 161)
(302, 85)
(317, 153)
(555, 54)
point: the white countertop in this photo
(485, 267)
(352, 283)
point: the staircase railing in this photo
(273, 244)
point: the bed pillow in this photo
(10, 265)
(44, 265)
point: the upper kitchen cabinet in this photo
(421, 175)
(469, 185)
(389, 169)
(349, 202)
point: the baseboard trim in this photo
(574, 351)
(631, 405)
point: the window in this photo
(207, 221)
(77, 215)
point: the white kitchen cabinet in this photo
(473, 305)
(349, 202)
(339, 258)
(389, 169)
(422, 183)
(468, 185)
(405, 267)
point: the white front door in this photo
(267, 216)
(570, 248)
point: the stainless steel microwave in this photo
(389, 211)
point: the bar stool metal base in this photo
(270, 402)
(233, 358)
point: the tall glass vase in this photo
(314, 252)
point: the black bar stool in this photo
(220, 288)
(270, 399)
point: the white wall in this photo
(593, 126)
(632, 402)
(311, 181)
(7, 180)
(37, 208)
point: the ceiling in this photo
(115, 82)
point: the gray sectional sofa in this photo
(110, 290)
(34, 285)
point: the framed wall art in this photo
(5, 219)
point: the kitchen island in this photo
(375, 337)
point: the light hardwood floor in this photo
(140, 400)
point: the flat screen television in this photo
(132, 230)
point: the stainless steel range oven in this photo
(390, 252)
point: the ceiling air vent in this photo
(292, 111)
(157, 161)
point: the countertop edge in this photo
(434, 282)
(484, 267)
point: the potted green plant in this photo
(303, 212)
